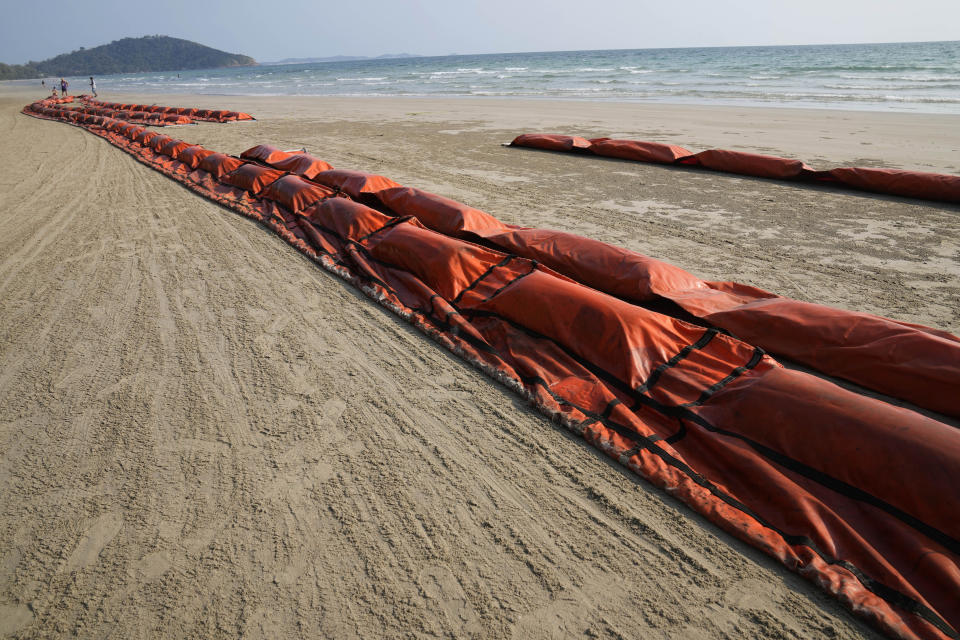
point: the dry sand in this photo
(202, 434)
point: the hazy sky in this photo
(270, 30)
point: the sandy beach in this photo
(203, 434)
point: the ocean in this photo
(918, 77)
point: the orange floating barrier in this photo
(302, 164)
(438, 213)
(748, 164)
(192, 156)
(552, 142)
(144, 136)
(220, 164)
(295, 193)
(911, 184)
(854, 493)
(265, 153)
(158, 141)
(903, 360)
(355, 184)
(136, 115)
(251, 177)
(635, 150)
(170, 115)
(173, 148)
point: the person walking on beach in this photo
(93, 87)
(63, 88)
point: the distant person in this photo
(93, 86)
(63, 88)
(43, 83)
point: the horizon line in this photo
(507, 53)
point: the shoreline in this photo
(637, 102)
(642, 102)
(821, 137)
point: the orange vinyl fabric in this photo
(302, 164)
(264, 153)
(854, 493)
(639, 151)
(749, 164)
(355, 184)
(158, 141)
(229, 116)
(128, 127)
(173, 148)
(251, 177)
(113, 125)
(438, 213)
(552, 142)
(145, 136)
(219, 164)
(173, 118)
(911, 184)
(192, 156)
(295, 193)
(138, 116)
(619, 272)
(167, 115)
(905, 361)
(899, 359)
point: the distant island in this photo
(129, 55)
(386, 56)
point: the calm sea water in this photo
(920, 77)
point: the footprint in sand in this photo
(441, 586)
(153, 565)
(563, 618)
(330, 434)
(330, 413)
(264, 623)
(8, 565)
(94, 539)
(13, 618)
(147, 570)
(749, 593)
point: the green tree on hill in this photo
(18, 71)
(129, 55)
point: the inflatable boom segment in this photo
(911, 184)
(208, 115)
(855, 494)
(138, 117)
(151, 115)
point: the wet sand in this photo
(203, 434)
